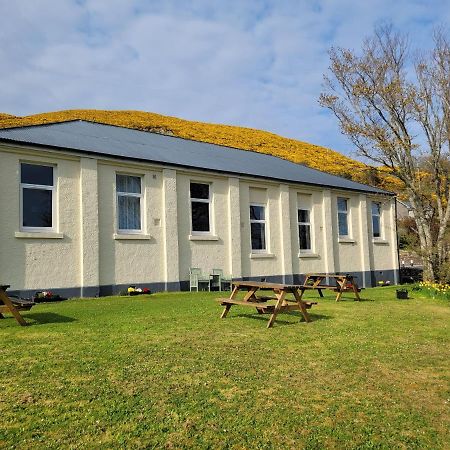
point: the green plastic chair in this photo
(197, 279)
(220, 280)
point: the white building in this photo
(87, 209)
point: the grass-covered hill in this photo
(311, 155)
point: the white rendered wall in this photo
(87, 251)
(28, 261)
(130, 258)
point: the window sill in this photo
(38, 235)
(203, 237)
(131, 237)
(343, 240)
(261, 255)
(308, 255)
(380, 242)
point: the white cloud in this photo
(250, 63)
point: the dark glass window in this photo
(200, 204)
(200, 216)
(129, 202)
(304, 229)
(258, 231)
(37, 195)
(34, 174)
(342, 216)
(258, 227)
(376, 220)
(200, 191)
(257, 212)
(37, 208)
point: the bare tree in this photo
(395, 108)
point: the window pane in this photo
(303, 215)
(129, 213)
(376, 207)
(200, 216)
(257, 212)
(343, 225)
(199, 190)
(258, 233)
(128, 184)
(376, 226)
(33, 174)
(342, 204)
(304, 234)
(37, 208)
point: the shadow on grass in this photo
(43, 318)
(342, 299)
(279, 319)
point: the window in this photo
(376, 220)
(200, 208)
(129, 197)
(37, 196)
(342, 204)
(304, 229)
(258, 227)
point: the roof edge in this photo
(98, 154)
(199, 142)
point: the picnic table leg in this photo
(300, 296)
(7, 302)
(228, 307)
(250, 294)
(355, 290)
(225, 311)
(280, 301)
(301, 305)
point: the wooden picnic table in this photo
(265, 304)
(344, 283)
(13, 306)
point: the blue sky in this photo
(243, 62)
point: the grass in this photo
(164, 371)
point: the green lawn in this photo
(165, 371)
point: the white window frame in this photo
(130, 194)
(42, 187)
(311, 240)
(347, 213)
(265, 222)
(201, 200)
(380, 237)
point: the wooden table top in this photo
(265, 285)
(330, 275)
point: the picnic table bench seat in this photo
(344, 283)
(13, 305)
(20, 303)
(328, 286)
(259, 304)
(278, 303)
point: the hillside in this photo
(311, 155)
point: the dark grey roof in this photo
(96, 138)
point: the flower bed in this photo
(435, 290)
(133, 290)
(47, 296)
